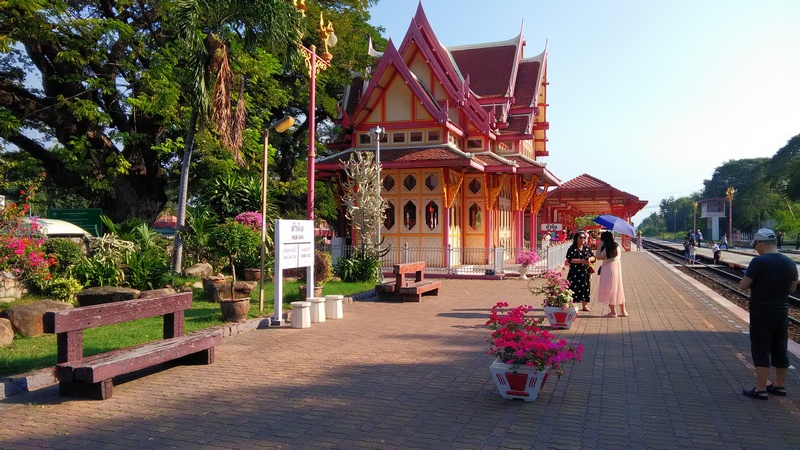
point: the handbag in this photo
(599, 269)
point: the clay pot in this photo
(234, 310)
(317, 292)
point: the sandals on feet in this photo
(624, 315)
(585, 309)
(753, 393)
(610, 315)
(779, 391)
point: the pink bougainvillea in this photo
(517, 340)
(251, 219)
(21, 245)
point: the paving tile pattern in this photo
(414, 375)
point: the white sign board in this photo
(294, 247)
(551, 227)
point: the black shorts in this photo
(769, 336)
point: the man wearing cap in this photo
(771, 277)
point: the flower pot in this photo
(523, 272)
(234, 310)
(560, 317)
(304, 297)
(524, 384)
(252, 274)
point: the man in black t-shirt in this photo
(771, 277)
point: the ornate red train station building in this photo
(465, 134)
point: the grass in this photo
(33, 353)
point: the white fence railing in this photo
(458, 260)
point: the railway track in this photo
(724, 281)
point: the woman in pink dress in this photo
(609, 289)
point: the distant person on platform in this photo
(690, 236)
(715, 250)
(771, 277)
(545, 240)
(780, 239)
(692, 253)
(698, 237)
(638, 240)
(687, 244)
(724, 241)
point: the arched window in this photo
(431, 215)
(474, 217)
(474, 186)
(410, 182)
(388, 221)
(388, 183)
(410, 215)
(431, 182)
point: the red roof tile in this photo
(489, 68)
(527, 79)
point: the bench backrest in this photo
(69, 324)
(85, 317)
(411, 267)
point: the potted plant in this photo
(525, 354)
(558, 304)
(323, 272)
(236, 242)
(525, 259)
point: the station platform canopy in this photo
(586, 195)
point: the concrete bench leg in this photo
(333, 307)
(301, 314)
(317, 309)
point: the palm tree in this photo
(202, 26)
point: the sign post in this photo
(294, 247)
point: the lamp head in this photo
(283, 124)
(377, 132)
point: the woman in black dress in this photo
(579, 256)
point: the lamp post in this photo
(675, 221)
(279, 126)
(377, 133)
(694, 217)
(315, 64)
(729, 193)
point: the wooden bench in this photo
(92, 376)
(403, 290)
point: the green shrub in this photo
(65, 252)
(236, 243)
(359, 267)
(63, 289)
(97, 271)
(323, 269)
(148, 269)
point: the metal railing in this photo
(459, 260)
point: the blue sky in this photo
(648, 96)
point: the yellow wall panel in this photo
(399, 99)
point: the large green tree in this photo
(209, 31)
(90, 90)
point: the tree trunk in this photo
(177, 255)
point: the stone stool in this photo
(317, 309)
(301, 314)
(333, 307)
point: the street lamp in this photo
(315, 64)
(378, 133)
(729, 193)
(675, 222)
(694, 217)
(279, 126)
